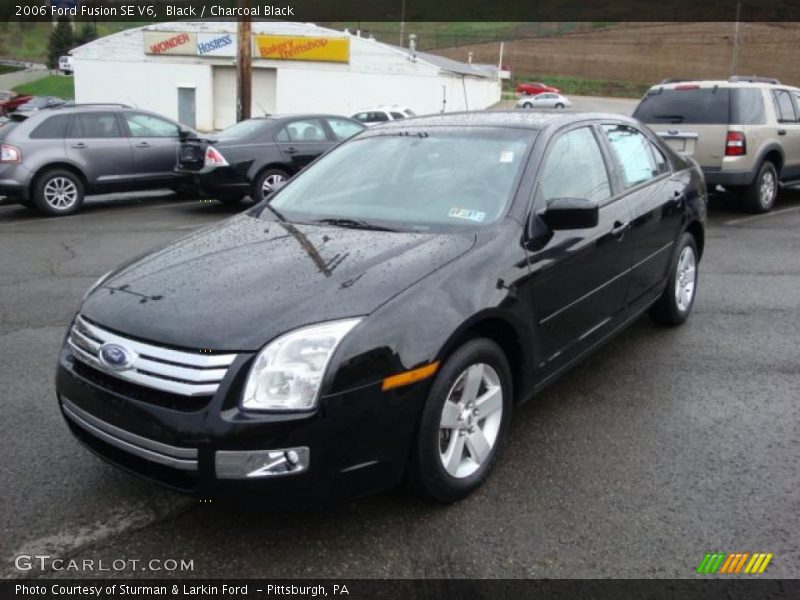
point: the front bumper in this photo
(355, 443)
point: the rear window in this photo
(702, 106)
(53, 128)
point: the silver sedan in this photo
(544, 100)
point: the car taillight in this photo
(10, 154)
(735, 144)
(214, 158)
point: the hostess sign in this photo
(286, 47)
(270, 47)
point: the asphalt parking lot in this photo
(664, 446)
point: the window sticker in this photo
(506, 156)
(465, 213)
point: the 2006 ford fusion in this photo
(377, 318)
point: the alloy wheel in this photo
(470, 420)
(60, 193)
(685, 279)
(767, 189)
(270, 181)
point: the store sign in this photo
(216, 44)
(170, 42)
(285, 47)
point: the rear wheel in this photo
(266, 181)
(759, 196)
(559, 105)
(677, 299)
(58, 192)
(464, 423)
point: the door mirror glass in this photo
(571, 213)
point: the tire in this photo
(262, 182)
(559, 105)
(58, 193)
(436, 446)
(759, 196)
(676, 301)
(527, 105)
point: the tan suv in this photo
(744, 132)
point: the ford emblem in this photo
(115, 356)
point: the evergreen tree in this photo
(61, 42)
(87, 34)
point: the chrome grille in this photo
(164, 369)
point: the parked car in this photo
(544, 100)
(65, 65)
(382, 114)
(38, 103)
(378, 317)
(744, 132)
(55, 156)
(535, 87)
(10, 101)
(252, 157)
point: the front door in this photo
(579, 279)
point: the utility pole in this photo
(402, 23)
(736, 37)
(244, 66)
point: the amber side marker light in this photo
(409, 377)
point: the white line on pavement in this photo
(757, 217)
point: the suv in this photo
(52, 158)
(744, 132)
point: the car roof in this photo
(529, 119)
(710, 83)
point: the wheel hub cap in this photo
(470, 421)
(686, 279)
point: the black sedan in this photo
(254, 156)
(378, 317)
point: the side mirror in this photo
(571, 213)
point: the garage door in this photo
(264, 92)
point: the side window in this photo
(344, 129)
(363, 117)
(784, 106)
(307, 130)
(397, 115)
(574, 152)
(54, 128)
(377, 117)
(633, 152)
(662, 166)
(95, 125)
(148, 126)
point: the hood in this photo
(239, 284)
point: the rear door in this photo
(692, 119)
(303, 140)
(97, 143)
(655, 198)
(579, 278)
(788, 116)
(155, 143)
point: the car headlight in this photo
(96, 285)
(287, 373)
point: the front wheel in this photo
(58, 192)
(677, 299)
(464, 423)
(266, 181)
(527, 105)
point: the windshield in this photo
(242, 129)
(414, 181)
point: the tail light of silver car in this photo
(10, 154)
(735, 144)
(214, 158)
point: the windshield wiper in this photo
(353, 224)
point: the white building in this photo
(186, 70)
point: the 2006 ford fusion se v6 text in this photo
(376, 319)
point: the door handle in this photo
(79, 146)
(781, 132)
(620, 229)
(143, 145)
(292, 151)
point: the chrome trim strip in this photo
(201, 361)
(161, 447)
(175, 463)
(174, 371)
